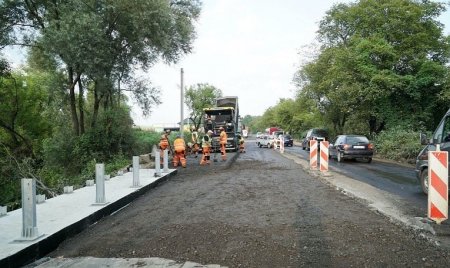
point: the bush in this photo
(144, 141)
(398, 143)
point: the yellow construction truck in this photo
(225, 114)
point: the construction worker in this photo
(164, 144)
(209, 124)
(223, 142)
(195, 142)
(179, 152)
(206, 147)
(241, 143)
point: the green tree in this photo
(102, 40)
(382, 62)
(199, 97)
(23, 120)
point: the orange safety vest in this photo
(206, 142)
(163, 142)
(179, 145)
(223, 137)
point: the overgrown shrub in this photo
(398, 143)
(144, 141)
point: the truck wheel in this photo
(424, 180)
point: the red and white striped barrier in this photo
(438, 186)
(313, 154)
(324, 156)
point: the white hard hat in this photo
(210, 131)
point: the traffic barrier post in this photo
(157, 164)
(100, 184)
(282, 145)
(313, 154)
(136, 171)
(324, 156)
(438, 186)
(29, 218)
(166, 161)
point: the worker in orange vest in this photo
(206, 148)
(179, 152)
(164, 144)
(195, 142)
(241, 143)
(223, 142)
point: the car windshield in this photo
(320, 132)
(356, 139)
(287, 137)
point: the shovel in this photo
(215, 151)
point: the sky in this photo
(250, 49)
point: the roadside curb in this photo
(51, 242)
(385, 205)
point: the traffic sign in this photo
(438, 186)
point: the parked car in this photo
(244, 133)
(441, 137)
(288, 141)
(314, 134)
(265, 141)
(351, 147)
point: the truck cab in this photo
(217, 117)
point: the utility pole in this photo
(181, 105)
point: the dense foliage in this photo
(67, 109)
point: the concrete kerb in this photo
(51, 242)
(378, 201)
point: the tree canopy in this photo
(103, 41)
(381, 62)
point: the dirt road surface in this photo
(261, 210)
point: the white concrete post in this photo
(29, 222)
(100, 183)
(157, 164)
(166, 161)
(3, 210)
(136, 171)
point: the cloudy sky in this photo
(250, 49)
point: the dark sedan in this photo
(351, 147)
(288, 141)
